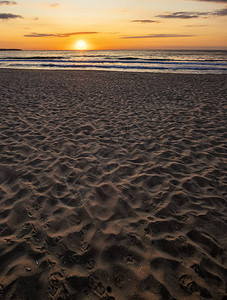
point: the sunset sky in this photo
(113, 24)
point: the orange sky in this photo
(107, 24)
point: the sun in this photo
(80, 45)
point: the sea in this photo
(164, 61)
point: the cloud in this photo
(8, 3)
(193, 15)
(220, 12)
(145, 21)
(54, 5)
(9, 16)
(217, 1)
(182, 15)
(195, 25)
(153, 36)
(34, 34)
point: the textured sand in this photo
(112, 185)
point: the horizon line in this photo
(142, 49)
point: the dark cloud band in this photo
(220, 12)
(193, 15)
(145, 21)
(9, 16)
(8, 3)
(182, 15)
(153, 36)
(217, 1)
(34, 34)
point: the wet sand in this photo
(112, 185)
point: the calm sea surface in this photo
(165, 61)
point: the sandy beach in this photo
(113, 185)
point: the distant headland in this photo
(11, 49)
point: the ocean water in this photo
(165, 61)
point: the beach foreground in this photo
(112, 185)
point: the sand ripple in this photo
(112, 186)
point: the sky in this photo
(113, 24)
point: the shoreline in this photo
(112, 71)
(112, 185)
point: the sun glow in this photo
(81, 45)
